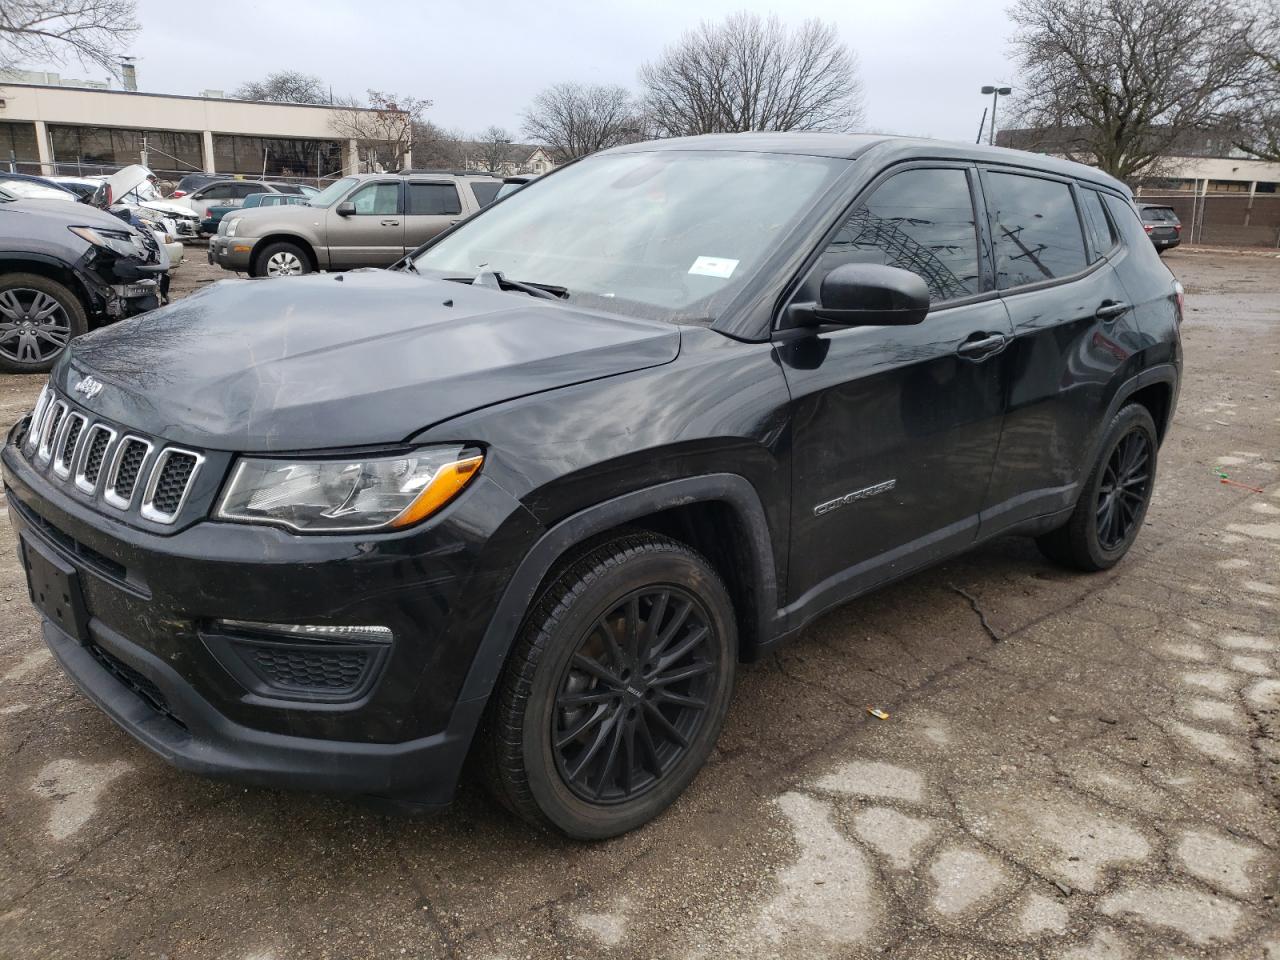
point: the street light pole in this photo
(996, 94)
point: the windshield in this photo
(332, 193)
(671, 235)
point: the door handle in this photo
(391, 223)
(985, 345)
(1110, 309)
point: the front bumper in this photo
(150, 659)
(232, 253)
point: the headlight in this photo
(319, 496)
(229, 226)
(124, 242)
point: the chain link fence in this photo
(1224, 219)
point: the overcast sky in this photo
(922, 61)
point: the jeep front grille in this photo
(111, 465)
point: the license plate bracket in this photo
(55, 589)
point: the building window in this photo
(276, 157)
(90, 150)
(18, 150)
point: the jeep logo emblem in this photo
(89, 387)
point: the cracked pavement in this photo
(1072, 766)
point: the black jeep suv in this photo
(532, 496)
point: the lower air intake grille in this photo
(310, 669)
(131, 457)
(175, 474)
(147, 691)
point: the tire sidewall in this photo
(564, 809)
(65, 296)
(261, 263)
(1133, 417)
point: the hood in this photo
(285, 213)
(344, 360)
(127, 179)
(73, 215)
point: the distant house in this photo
(521, 158)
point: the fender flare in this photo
(1159, 373)
(737, 491)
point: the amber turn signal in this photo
(443, 487)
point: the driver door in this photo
(896, 427)
(372, 236)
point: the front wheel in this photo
(1114, 501)
(282, 260)
(616, 691)
(38, 317)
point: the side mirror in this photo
(345, 209)
(867, 295)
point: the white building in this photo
(51, 128)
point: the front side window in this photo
(242, 190)
(1034, 228)
(919, 220)
(333, 192)
(668, 234)
(377, 199)
(1101, 232)
(434, 199)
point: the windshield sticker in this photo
(714, 267)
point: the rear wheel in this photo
(1114, 501)
(282, 259)
(38, 316)
(616, 691)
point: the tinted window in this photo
(485, 192)
(919, 220)
(243, 190)
(287, 188)
(1035, 229)
(377, 199)
(1159, 215)
(434, 199)
(219, 191)
(1101, 233)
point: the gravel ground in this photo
(1094, 774)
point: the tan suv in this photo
(370, 220)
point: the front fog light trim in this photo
(310, 631)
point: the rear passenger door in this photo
(1073, 334)
(431, 208)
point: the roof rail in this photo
(449, 173)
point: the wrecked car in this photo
(66, 268)
(133, 187)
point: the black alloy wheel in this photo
(1114, 497)
(634, 694)
(1123, 492)
(616, 689)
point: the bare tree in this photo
(575, 119)
(383, 130)
(1256, 129)
(285, 86)
(55, 31)
(493, 148)
(752, 73)
(1120, 83)
(434, 147)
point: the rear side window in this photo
(485, 192)
(1101, 233)
(1034, 228)
(919, 220)
(434, 199)
(242, 190)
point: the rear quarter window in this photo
(485, 192)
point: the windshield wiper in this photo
(495, 279)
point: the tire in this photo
(38, 316)
(624, 766)
(1104, 524)
(287, 259)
